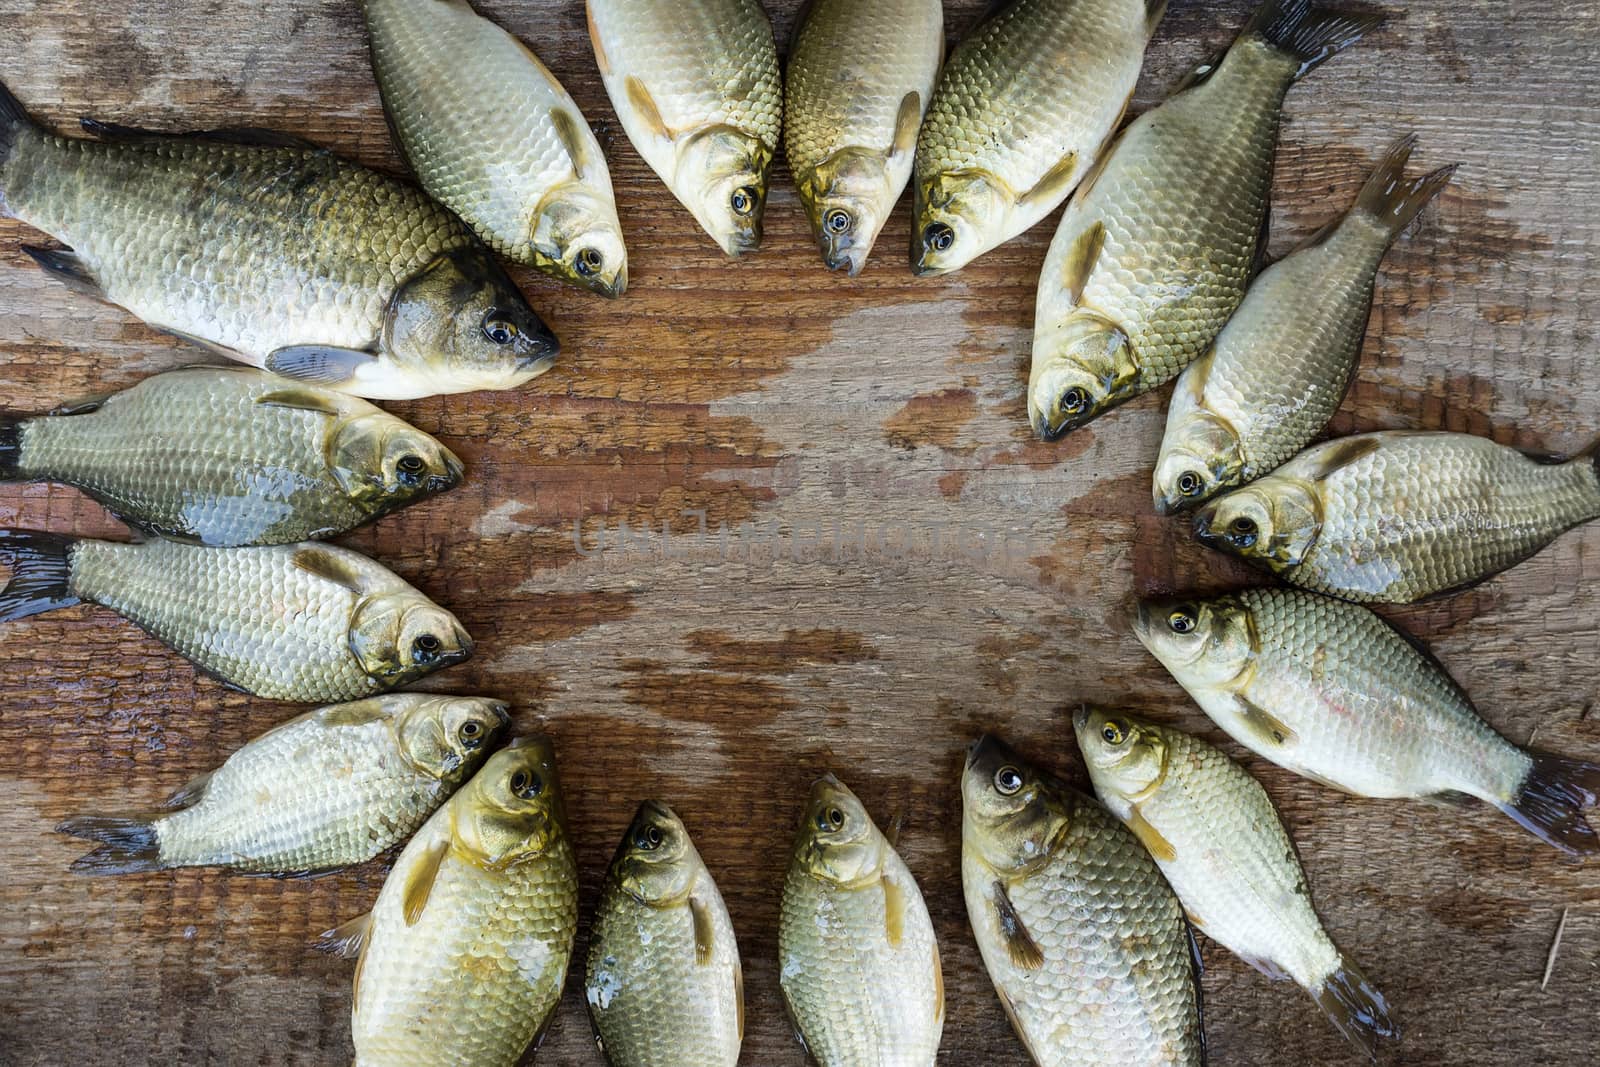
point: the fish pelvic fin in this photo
(347, 939)
(40, 573)
(1309, 35)
(127, 844)
(1550, 801)
(1356, 1009)
(1391, 197)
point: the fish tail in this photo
(1356, 1009)
(10, 447)
(127, 845)
(41, 570)
(1391, 197)
(1549, 804)
(1310, 35)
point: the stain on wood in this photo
(762, 521)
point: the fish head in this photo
(1081, 369)
(384, 463)
(1272, 523)
(838, 841)
(722, 178)
(398, 637)
(1126, 756)
(511, 810)
(576, 237)
(848, 197)
(957, 215)
(656, 862)
(462, 318)
(447, 738)
(1011, 811)
(1201, 642)
(1200, 457)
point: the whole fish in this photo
(664, 983)
(463, 957)
(334, 787)
(1084, 940)
(1215, 835)
(860, 74)
(1154, 252)
(307, 622)
(492, 134)
(276, 253)
(1278, 370)
(1331, 691)
(696, 85)
(1398, 516)
(858, 962)
(1023, 109)
(229, 456)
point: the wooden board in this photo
(987, 587)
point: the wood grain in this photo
(889, 564)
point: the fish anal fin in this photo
(190, 793)
(348, 938)
(318, 364)
(419, 881)
(1267, 729)
(1343, 452)
(1152, 839)
(894, 911)
(1055, 183)
(645, 104)
(1020, 945)
(1267, 967)
(907, 124)
(1081, 259)
(705, 931)
(68, 268)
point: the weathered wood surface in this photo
(988, 589)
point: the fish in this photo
(307, 622)
(1398, 516)
(1215, 835)
(1084, 940)
(695, 84)
(463, 957)
(663, 983)
(493, 136)
(1280, 367)
(859, 78)
(1155, 250)
(273, 252)
(858, 962)
(1024, 107)
(230, 456)
(328, 789)
(1332, 692)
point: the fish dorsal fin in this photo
(645, 105)
(300, 400)
(1266, 728)
(738, 994)
(318, 364)
(1341, 454)
(190, 793)
(1154, 12)
(907, 124)
(1056, 182)
(329, 567)
(1020, 945)
(894, 911)
(253, 136)
(1151, 838)
(601, 60)
(938, 986)
(419, 881)
(705, 931)
(572, 139)
(348, 938)
(1081, 259)
(353, 713)
(68, 268)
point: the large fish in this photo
(1278, 370)
(857, 960)
(860, 74)
(229, 456)
(307, 622)
(1084, 940)
(492, 134)
(1023, 109)
(1398, 516)
(1331, 691)
(463, 957)
(1154, 252)
(696, 85)
(276, 253)
(664, 984)
(1214, 833)
(333, 787)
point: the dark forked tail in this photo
(127, 845)
(40, 569)
(1310, 35)
(1551, 801)
(1391, 197)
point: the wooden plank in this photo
(773, 397)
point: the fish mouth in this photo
(654, 811)
(743, 241)
(611, 288)
(847, 261)
(501, 711)
(1080, 718)
(1204, 532)
(987, 751)
(1141, 622)
(923, 269)
(1168, 506)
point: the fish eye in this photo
(1190, 483)
(648, 839)
(832, 819)
(938, 237)
(744, 201)
(500, 331)
(588, 262)
(1113, 733)
(425, 649)
(1182, 620)
(471, 733)
(1074, 401)
(409, 468)
(526, 785)
(1243, 532)
(838, 221)
(1008, 781)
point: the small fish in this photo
(492, 134)
(858, 962)
(306, 622)
(229, 456)
(1084, 940)
(664, 983)
(1279, 368)
(1214, 833)
(1397, 516)
(860, 74)
(463, 957)
(696, 85)
(1023, 109)
(275, 253)
(1155, 250)
(1332, 692)
(331, 788)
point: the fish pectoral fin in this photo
(1020, 945)
(1342, 453)
(705, 931)
(242, 135)
(1056, 182)
(645, 105)
(318, 364)
(67, 268)
(572, 139)
(1261, 724)
(1081, 259)
(1152, 839)
(419, 881)
(894, 911)
(907, 124)
(190, 793)
(329, 567)
(348, 938)
(300, 400)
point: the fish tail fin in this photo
(127, 844)
(1356, 1009)
(1391, 197)
(41, 567)
(1310, 35)
(1549, 804)
(10, 447)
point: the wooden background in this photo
(987, 590)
